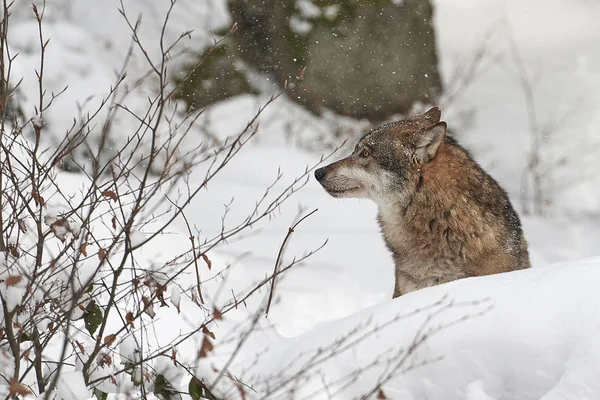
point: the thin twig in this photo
(278, 261)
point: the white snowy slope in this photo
(529, 334)
(354, 270)
(557, 43)
(90, 47)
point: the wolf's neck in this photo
(392, 213)
(412, 212)
(429, 210)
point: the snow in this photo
(308, 8)
(128, 349)
(37, 122)
(12, 295)
(528, 334)
(474, 391)
(137, 238)
(563, 64)
(71, 386)
(89, 43)
(176, 296)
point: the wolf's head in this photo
(386, 161)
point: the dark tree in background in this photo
(364, 58)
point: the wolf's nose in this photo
(320, 173)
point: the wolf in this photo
(441, 215)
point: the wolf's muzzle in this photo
(320, 173)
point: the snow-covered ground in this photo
(529, 334)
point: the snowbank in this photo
(525, 335)
(529, 334)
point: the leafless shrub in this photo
(73, 286)
(543, 176)
(79, 299)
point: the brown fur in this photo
(442, 217)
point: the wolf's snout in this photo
(320, 173)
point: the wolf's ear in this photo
(429, 141)
(433, 115)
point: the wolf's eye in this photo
(365, 153)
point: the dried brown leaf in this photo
(12, 280)
(104, 360)
(206, 347)
(207, 332)
(207, 260)
(16, 387)
(174, 356)
(381, 395)
(160, 294)
(18, 327)
(39, 200)
(14, 251)
(217, 314)
(60, 228)
(83, 248)
(148, 307)
(110, 339)
(81, 348)
(102, 254)
(109, 194)
(129, 319)
(22, 226)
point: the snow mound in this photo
(530, 334)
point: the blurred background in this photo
(518, 82)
